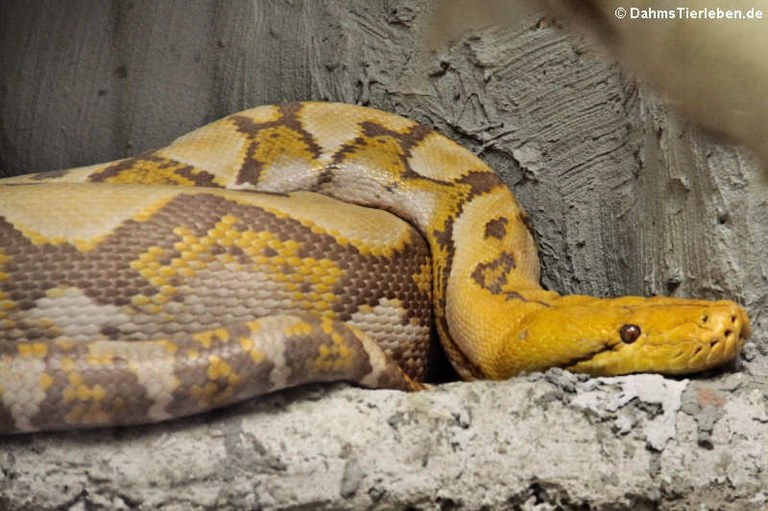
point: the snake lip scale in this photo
(295, 243)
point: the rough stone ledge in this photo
(543, 442)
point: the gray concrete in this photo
(529, 443)
(627, 198)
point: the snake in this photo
(290, 244)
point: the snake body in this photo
(287, 244)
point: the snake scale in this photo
(287, 244)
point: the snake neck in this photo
(490, 282)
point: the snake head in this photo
(627, 335)
(669, 336)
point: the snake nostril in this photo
(704, 318)
(728, 333)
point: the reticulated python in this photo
(289, 244)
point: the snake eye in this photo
(629, 333)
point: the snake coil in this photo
(287, 244)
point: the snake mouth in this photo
(721, 342)
(723, 347)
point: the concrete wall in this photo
(626, 197)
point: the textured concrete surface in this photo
(626, 197)
(531, 443)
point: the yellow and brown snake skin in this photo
(287, 244)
